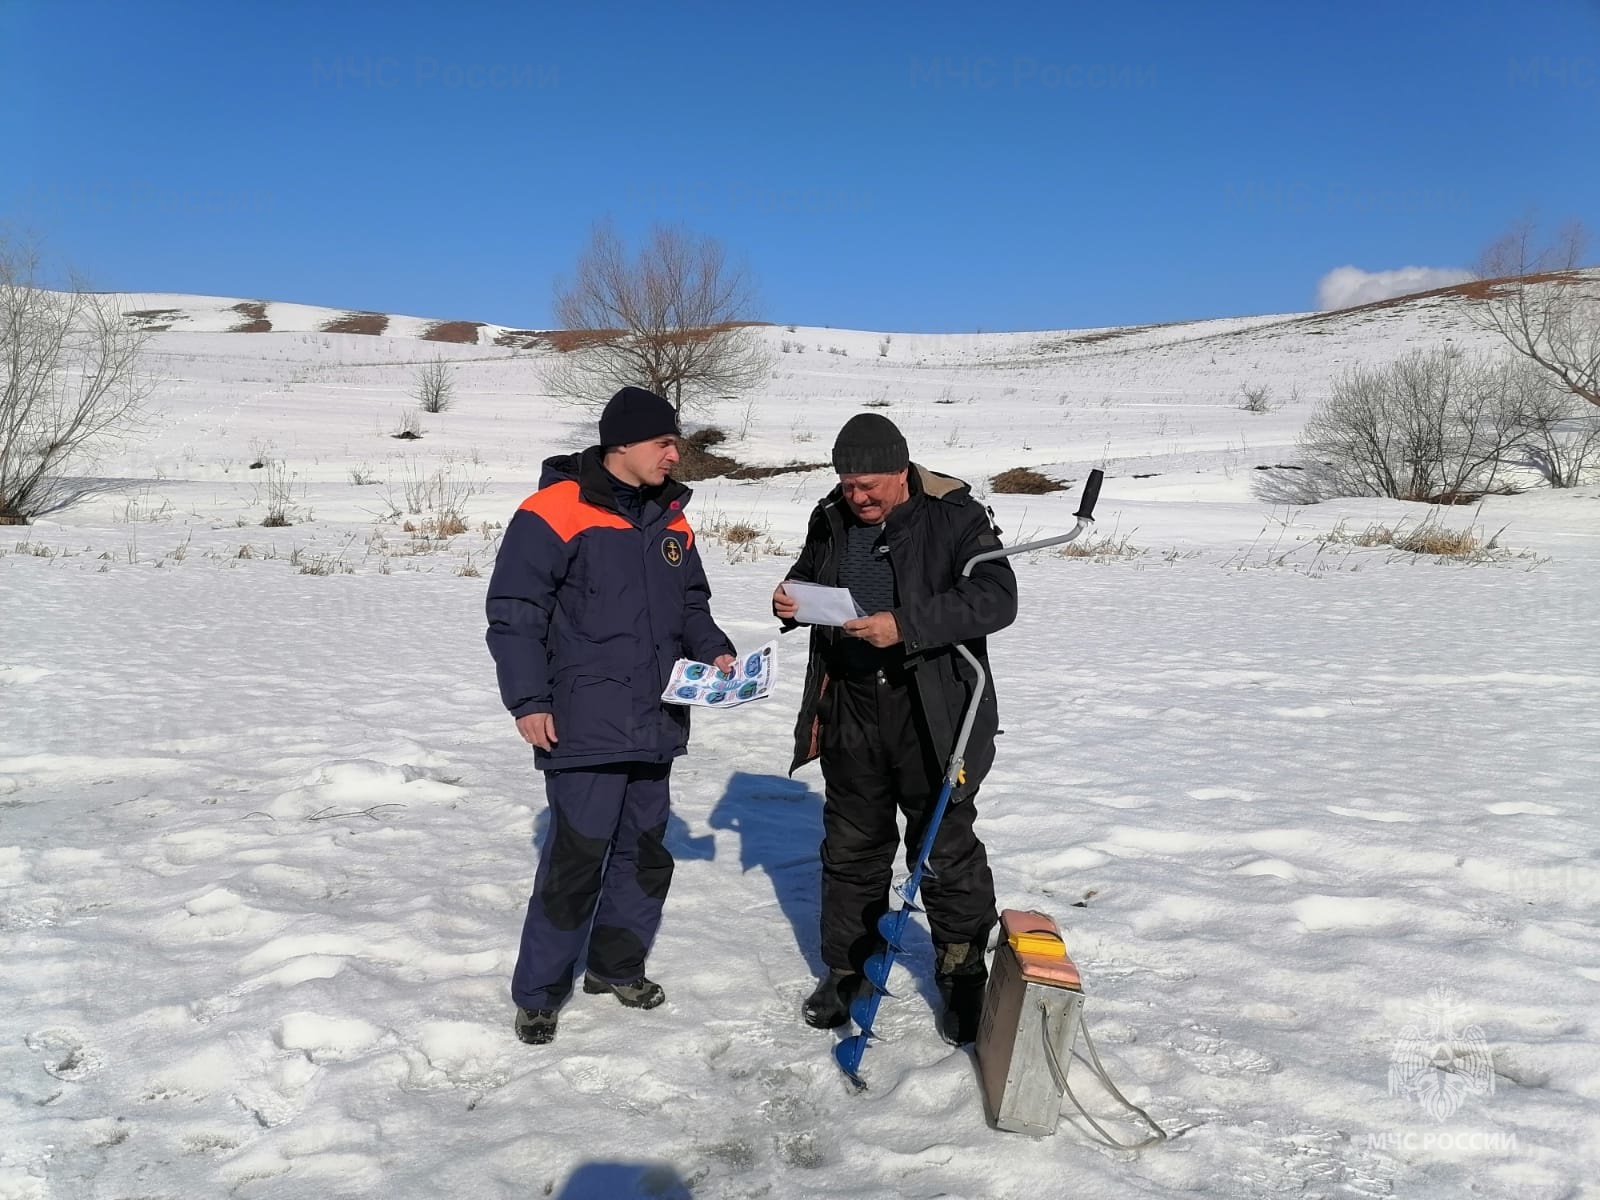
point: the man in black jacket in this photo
(884, 699)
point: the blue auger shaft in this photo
(892, 925)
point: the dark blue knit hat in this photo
(636, 415)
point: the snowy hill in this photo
(160, 312)
(265, 831)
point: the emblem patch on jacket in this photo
(672, 551)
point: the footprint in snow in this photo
(67, 1055)
(1208, 1052)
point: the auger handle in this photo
(1084, 515)
(1091, 493)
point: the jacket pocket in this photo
(594, 715)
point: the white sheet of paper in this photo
(822, 605)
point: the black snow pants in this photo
(877, 757)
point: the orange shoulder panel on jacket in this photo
(561, 507)
(680, 524)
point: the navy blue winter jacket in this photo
(588, 609)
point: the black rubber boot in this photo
(962, 978)
(640, 993)
(536, 1026)
(828, 1007)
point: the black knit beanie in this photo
(636, 415)
(870, 445)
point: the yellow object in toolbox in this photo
(1046, 945)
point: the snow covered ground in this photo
(266, 834)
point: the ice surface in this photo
(266, 834)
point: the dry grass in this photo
(446, 524)
(1106, 546)
(1429, 538)
(1024, 481)
(740, 534)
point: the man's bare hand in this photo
(880, 629)
(538, 729)
(725, 663)
(784, 606)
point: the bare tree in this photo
(673, 319)
(1433, 424)
(1543, 304)
(1558, 433)
(70, 378)
(435, 387)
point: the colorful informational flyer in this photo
(702, 684)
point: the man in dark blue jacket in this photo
(597, 590)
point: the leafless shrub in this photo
(277, 490)
(1434, 423)
(1257, 399)
(435, 387)
(445, 493)
(71, 379)
(1558, 431)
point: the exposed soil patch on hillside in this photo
(461, 332)
(697, 461)
(155, 320)
(1478, 290)
(255, 314)
(370, 323)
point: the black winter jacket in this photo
(930, 538)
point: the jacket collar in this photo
(594, 485)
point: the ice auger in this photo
(892, 925)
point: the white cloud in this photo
(1346, 286)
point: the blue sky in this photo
(899, 166)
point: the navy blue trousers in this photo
(603, 876)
